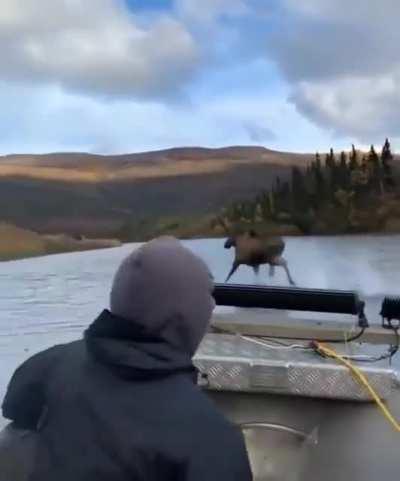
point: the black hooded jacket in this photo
(122, 404)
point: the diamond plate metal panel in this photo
(225, 375)
(337, 383)
(233, 363)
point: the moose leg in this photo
(290, 279)
(235, 265)
(280, 261)
(271, 270)
(256, 270)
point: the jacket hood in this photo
(132, 352)
(165, 290)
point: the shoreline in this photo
(63, 244)
(49, 254)
(17, 244)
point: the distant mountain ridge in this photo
(99, 195)
(114, 161)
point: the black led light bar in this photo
(295, 299)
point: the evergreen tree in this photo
(333, 174)
(318, 164)
(343, 172)
(343, 160)
(364, 164)
(283, 199)
(330, 164)
(319, 178)
(271, 199)
(386, 163)
(353, 164)
(298, 190)
(374, 171)
(346, 183)
(327, 161)
(360, 178)
(332, 159)
(373, 159)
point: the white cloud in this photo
(342, 61)
(367, 107)
(94, 46)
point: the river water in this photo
(50, 300)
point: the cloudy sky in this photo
(129, 75)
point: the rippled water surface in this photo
(44, 301)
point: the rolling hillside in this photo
(95, 195)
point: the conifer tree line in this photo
(334, 185)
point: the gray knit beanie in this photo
(165, 288)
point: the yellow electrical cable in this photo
(362, 379)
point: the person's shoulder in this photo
(51, 352)
(45, 357)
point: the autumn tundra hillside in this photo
(187, 191)
(134, 196)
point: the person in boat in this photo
(123, 403)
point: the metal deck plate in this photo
(233, 363)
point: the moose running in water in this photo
(254, 250)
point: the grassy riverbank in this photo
(18, 243)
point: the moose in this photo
(254, 250)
